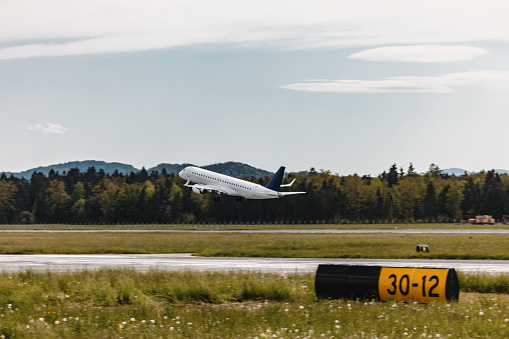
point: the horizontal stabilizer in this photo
(288, 185)
(290, 193)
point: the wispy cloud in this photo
(50, 128)
(423, 53)
(32, 28)
(497, 80)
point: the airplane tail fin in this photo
(275, 183)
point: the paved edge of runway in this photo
(186, 261)
(289, 231)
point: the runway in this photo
(185, 261)
(144, 262)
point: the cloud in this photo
(495, 80)
(423, 53)
(62, 28)
(50, 128)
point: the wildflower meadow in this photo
(123, 303)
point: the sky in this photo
(344, 86)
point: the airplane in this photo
(208, 181)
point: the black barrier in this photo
(343, 281)
(422, 248)
(386, 283)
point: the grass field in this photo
(130, 304)
(345, 226)
(442, 246)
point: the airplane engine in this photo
(197, 190)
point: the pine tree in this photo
(430, 206)
(493, 195)
(392, 176)
(411, 169)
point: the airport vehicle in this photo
(208, 181)
(482, 220)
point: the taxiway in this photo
(185, 261)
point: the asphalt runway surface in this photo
(145, 262)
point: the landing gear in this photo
(240, 199)
(217, 198)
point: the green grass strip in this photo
(129, 304)
(389, 246)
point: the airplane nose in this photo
(182, 174)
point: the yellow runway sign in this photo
(418, 284)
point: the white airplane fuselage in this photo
(208, 181)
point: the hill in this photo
(235, 169)
(170, 168)
(455, 171)
(459, 171)
(83, 166)
(231, 168)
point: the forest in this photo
(94, 197)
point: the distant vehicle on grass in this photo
(505, 219)
(208, 181)
(482, 220)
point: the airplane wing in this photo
(211, 188)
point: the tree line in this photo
(94, 197)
